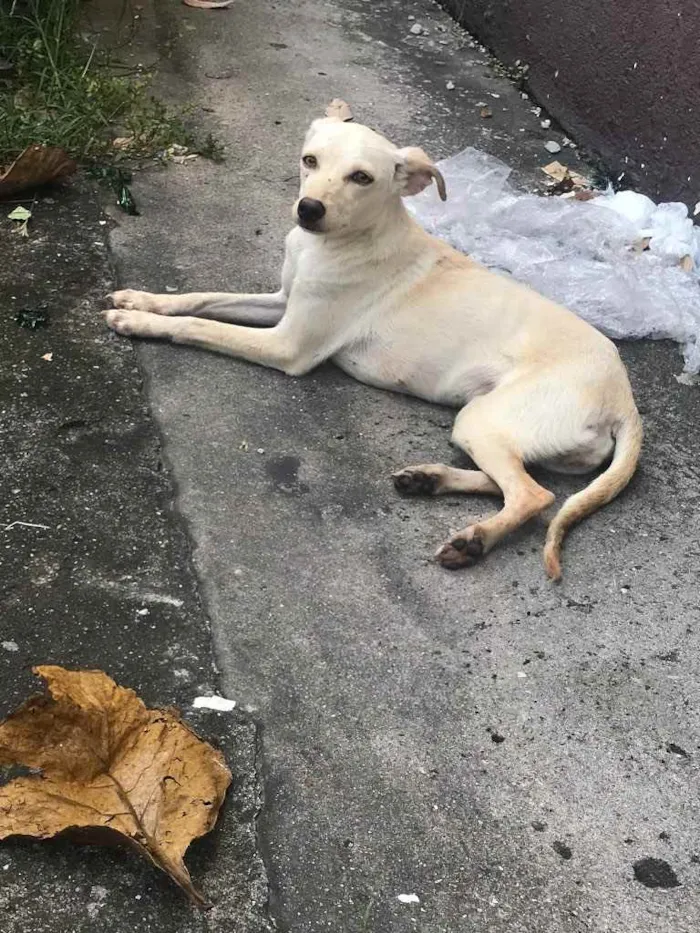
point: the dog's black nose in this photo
(310, 210)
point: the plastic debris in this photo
(221, 704)
(408, 898)
(580, 253)
(32, 318)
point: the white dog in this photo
(365, 286)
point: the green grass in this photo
(62, 90)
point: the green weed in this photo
(58, 89)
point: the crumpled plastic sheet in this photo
(578, 253)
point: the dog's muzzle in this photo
(310, 212)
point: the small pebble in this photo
(416, 29)
(552, 146)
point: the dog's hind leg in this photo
(436, 479)
(483, 434)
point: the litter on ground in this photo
(623, 263)
(221, 704)
(32, 318)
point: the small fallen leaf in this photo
(555, 170)
(485, 112)
(110, 771)
(48, 357)
(123, 142)
(339, 109)
(566, 179)
(19, 213)
(37, 165)
(687, 264)
(208, 4)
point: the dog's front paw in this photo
(136, 323)
(131, 300)
(464, 550)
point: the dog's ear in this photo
(339, 110)
(416, 171)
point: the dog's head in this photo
(350, 175)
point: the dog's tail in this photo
(602, 490)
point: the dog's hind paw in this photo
(414, 481)
(460, 551)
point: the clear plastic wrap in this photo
(583, 254)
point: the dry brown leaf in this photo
(111, 772)
(37, 165)
(208, 4)
(561, 173)
(555, 170)
(687, 264)
(586, 195)
(123, 142)
(485, 113)
(339, 109)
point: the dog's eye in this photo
(361, 178)
(310, 161)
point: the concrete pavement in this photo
(505, 749)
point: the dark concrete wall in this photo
(622, 76)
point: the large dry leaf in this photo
(110, 771)
(37, 165)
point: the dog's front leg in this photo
(288, 346)
(262, 310)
